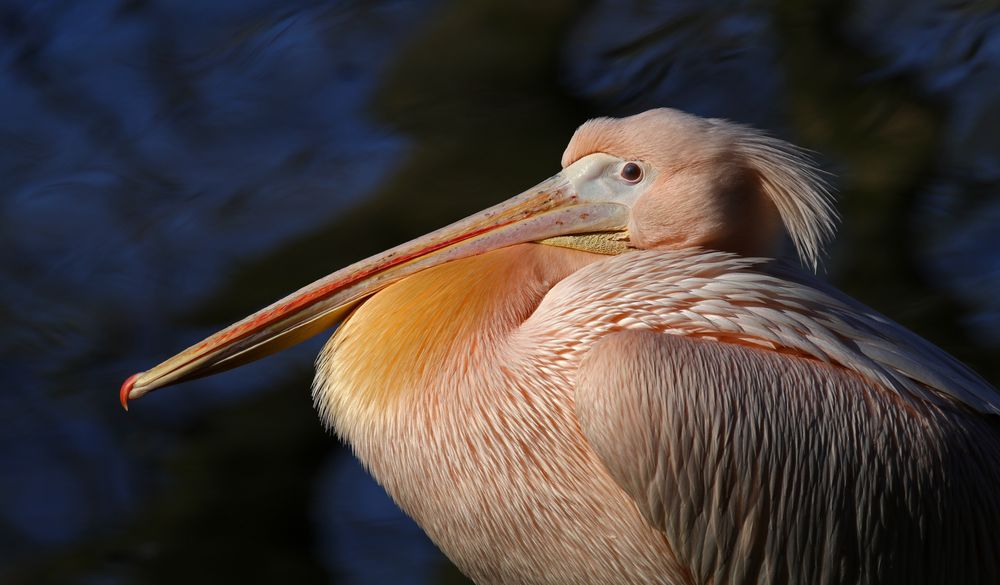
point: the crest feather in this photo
(790, 177)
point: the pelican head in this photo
(659, 179)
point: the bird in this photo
(618, 376)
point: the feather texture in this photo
(483, 446)
(760, 467)
(759, 302)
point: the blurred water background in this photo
(168, 167)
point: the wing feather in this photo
(761, 467)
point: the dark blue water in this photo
(166, 168)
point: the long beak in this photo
(551, 209)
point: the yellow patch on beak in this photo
(606, 243)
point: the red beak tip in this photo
(126, 389)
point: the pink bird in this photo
(606, 380)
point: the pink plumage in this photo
(610, 378)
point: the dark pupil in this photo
(631, 172)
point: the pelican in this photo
(611, 378)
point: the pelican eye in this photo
(631, 172)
